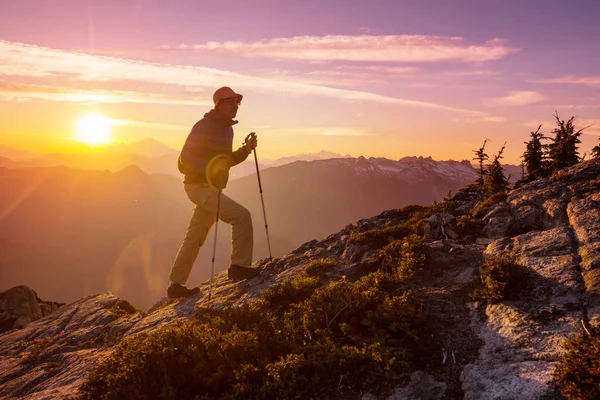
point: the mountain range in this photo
(154, 157)
(119, 231)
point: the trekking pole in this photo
(212, 269)
(252, 134)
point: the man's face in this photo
(228, 107)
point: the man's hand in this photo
(251, 142)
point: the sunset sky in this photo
(361, 77)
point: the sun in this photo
(94, 130)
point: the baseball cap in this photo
(225, 93)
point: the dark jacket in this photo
(210, 139)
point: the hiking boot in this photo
(176, 290)
(238, 273)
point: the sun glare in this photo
(94, 130)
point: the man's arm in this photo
(196, 152)
(239, 155)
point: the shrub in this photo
(123, 309)
(467, 225)
(291, 291)
(360, 330)
(502, 277)
(380, 237)
(484, 207)
(406, 256)
(317, 267)
(578, 372)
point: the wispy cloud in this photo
(592, 81)
(477, 73)
(344, 132)
(22, 62)
(324, 131)
(23, 92)
(369, 48)
(516, 99)
(150, 125)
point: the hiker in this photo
(205, 161)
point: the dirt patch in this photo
(449, 343)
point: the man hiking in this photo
(205, 161)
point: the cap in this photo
(225, 93)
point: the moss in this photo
(359, 330)
(502, 278)
(578, 371)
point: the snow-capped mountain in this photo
(413, 170)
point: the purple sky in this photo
(373, 78)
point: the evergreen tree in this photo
(495, 181)
(596, 152)
(533, 158)
(481, 157)
(562, 152)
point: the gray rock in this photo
(20, 306)
(422, 386)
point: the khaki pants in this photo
(203, 217)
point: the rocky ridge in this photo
(486, 351)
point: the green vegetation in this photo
(123, 309)
(495, 181)
(481, 157)
(406, 256)
(379, 237)
(318, 267)
(533, 158)
(481, 209)
(361, 333)
(502, 278)
(415, 221)
(543, 160)
(578, 372)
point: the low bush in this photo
(406, 256)
(318, 267)
(485, 206)
(380, 237)
(578, 371)
(502, 278)
(342, 333)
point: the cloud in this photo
(364, 48)
(357, 71)
(23, 62)
(23, 92)
(516, 99)
(592, 81)
(478, 73)
(344, 132)
(150, 125)
(323, 131)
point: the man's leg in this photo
(242, 235)
(200, 223)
